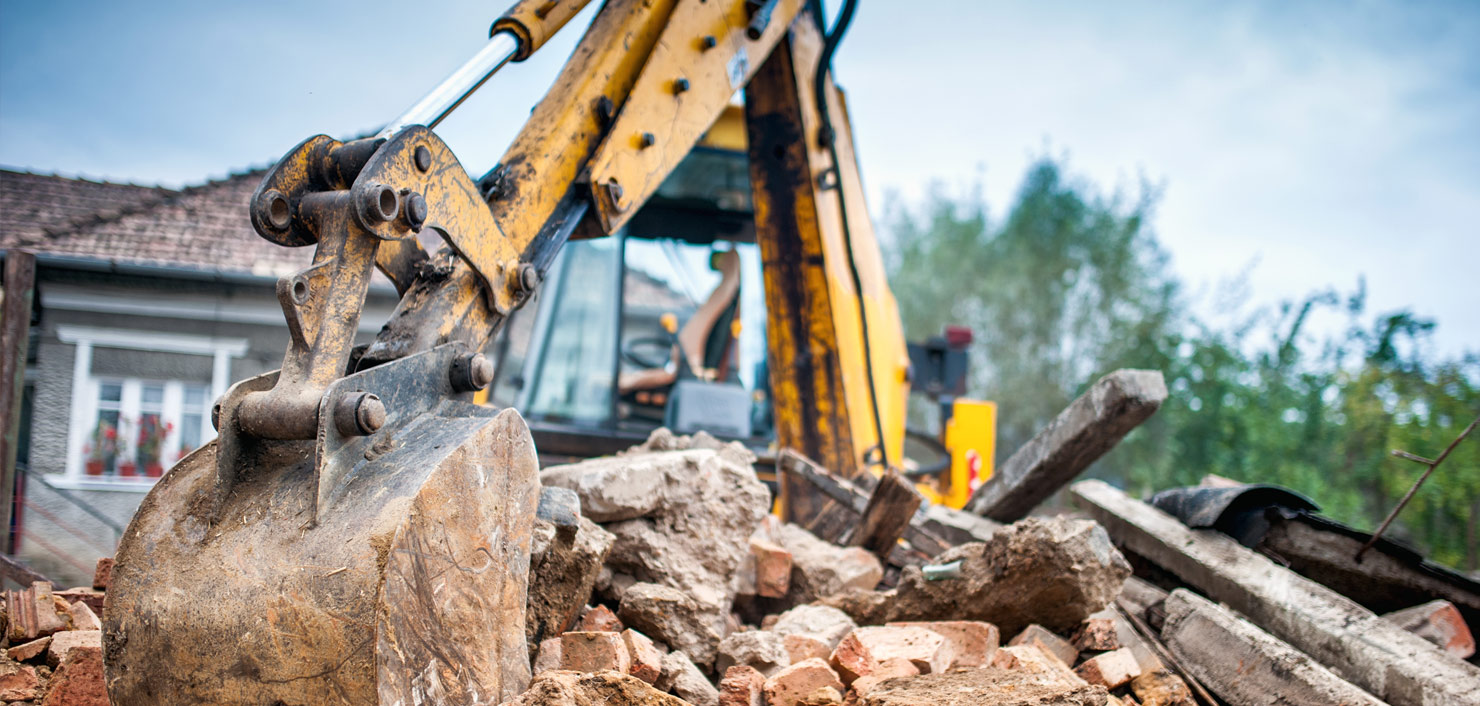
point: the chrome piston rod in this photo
(453, 90)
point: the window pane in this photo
(195, 397)
(151, 395)
(102, 445)
(110, 392)
(574, 377)
(150, 442)
(190, 424)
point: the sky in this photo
(1302, 145)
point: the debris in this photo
(646, 658)
(1097, 633)
(103, 573)
(684, 679)
(563, 688)
(1160, 687)
(790, 685)
(1031, 660)
(1137, 595)
(548, 655)
(957, 527)
(851, 500)
(1053, 571)
(1438, 622)
(971, 687)
(563, 570)
(18, 682)
(762, 649)
(78, 680)
(884, 671)
(772, 569)
(742, 686)
(600, 619)
(676, 618)
(1044, 639)
(820, 569)
(30, 650)
(926, 649)
(972, 642)
(864, 607)
(1393, 664)
(1089, 427)
(83, 617)
(800, 647)
(1245, 665)
(32, 613)
(594, 652)
(887, 516)
(825, 696)
(825, 623)
(1111, 670)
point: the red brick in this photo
(927, 649)
(548, 655)
(647, 660)
(83, 618)
(972, 641)
(886, 670)
(792, 684)
(772, 569)
(1045, 639)
(18, 682)
(1438, 622)
(30, 650)
(1111, 670)
(599, 619)
(64, 642)
(851, 658)
(79, 680)
(593, 652)
(800, 646)
(1031, 660)
(32, 613)
(103, 574)
(742, 685)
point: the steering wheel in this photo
(637, 351)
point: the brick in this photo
(1031, 660)
(772, 569)
(599, 619)
(742, 685)
(83, 617)
(801, 646)
(594, 651)
(548, 655)
(647, 660)
(103, 574)
(1096, 634)
(18, 682)
(1438, 622)
(971, 641)
(93, 598)
(1045, 639)
(886, 670)
(1160, 687)
(928, 650)
(68, 640)
(852, 658)
(78, 681)
(1111, 670)
(32, 613)
(789, 686)
(30, 650)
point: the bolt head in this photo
(647, 139)
(529, 277)
(370, 413)
(708, 42)
(680, 85)
(423, 158)
(416, 210)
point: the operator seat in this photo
(704, 338)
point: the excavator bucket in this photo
(398, 578)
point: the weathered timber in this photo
(1397, 666)
(849, 497)
(15, 329)
(1088, 428)
(887, 515)
(12, 569)
(1245, 665)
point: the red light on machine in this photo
(958, 336)
(973, 469)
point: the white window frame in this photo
(83, 413)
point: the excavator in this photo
(359, 532)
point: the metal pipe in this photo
(443, 99)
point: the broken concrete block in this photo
(1243, 664)
(547, 657)
(790, 685)
(864, 607)
(971, 641)
(822, 622)
(1111, 670)
(83, 618)
(883, 671)
(987, 685)
(826, 696)
(1045, 639)
(926, 649)
(30, 650)
(78, 680)
(761, 649)
(1160, 687)
(684, 679)
(1052, 571)
(647, 660)
(800, 647)
(820, 569)
(1097, 634)
(1438, 622)
(593, 652)
(103, 573)
(32, 613)
(599, 619)
(742, 686)
(675, 617)
(772, 569)
(563, 688)
(562, 572)
(1031, 660)
(68, 640)
(18, 682)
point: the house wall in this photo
(59, 536)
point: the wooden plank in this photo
(887, 515)
(12, 569)
(852, 503)
(1356, 644)
(1082, 433)
(15, 329)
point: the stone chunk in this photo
(68, 640)
(83, 618)
(78, 680)
(681, 677)
(864, 607)
(678, 619)
(594, 652)
(548, 655)
(884, 671)
(762, 649)
(32, 613)
(647, 660)
(791, 685)
(1111, 670)
(1052, 571)
(742, 685)
(1096, 634)
(971, 641)
(826, 696)
(800, 647)
(772, 569)
(822, 622)
(1051, 644)
(30, 650)
(599, 619)
(18, 682)
(820, 569)
(563, 688)
(562, 571)
(1160, 687)
(987, 685)
(1438, 622)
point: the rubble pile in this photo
(53, 644)
(676, 586)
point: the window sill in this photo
(129, 485)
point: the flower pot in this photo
(126, 470)
(154, 470)
(95, 467)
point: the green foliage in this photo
(1071, 285)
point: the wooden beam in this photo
(1395, 665)
(1082, 433)
(15, 330)
(12, 569)
(854, 503)
(887, 515)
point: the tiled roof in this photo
(204, 226)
